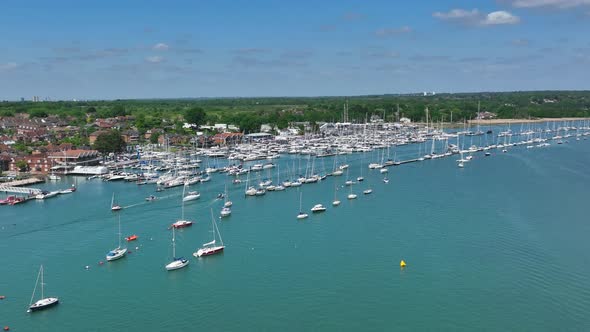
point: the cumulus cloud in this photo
(500, 17)
(160, 47)
(559, 4)
(387, 32)
(477, 18)
(154, 59)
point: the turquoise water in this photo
(499, 245)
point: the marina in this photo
(440, 228)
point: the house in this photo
(486, 116)
(92, 137)
(227, 138)
(130, 136)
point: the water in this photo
(499, 245)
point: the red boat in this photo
(182, 224)
(16, 201)
(7, 200)
(131, 238)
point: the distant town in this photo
(37, 135)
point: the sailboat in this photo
(227, 203)
(360, 178)
(368, 191)
(52, 176)
(191, 196)
(210, 248)
(351, 195)
(301, 215)
(43, 302)
(182, 222)
(279, 186)
(117, 252)
(336, 201)
(226, 211)
(177, 263)
(115, 207)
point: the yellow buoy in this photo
(402, 263)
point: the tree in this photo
(195, 115)
(22, 165)
(154, 138)
(110, 141)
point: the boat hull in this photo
(177, 264)
(116, 254)
(209, 251)
(44, 304)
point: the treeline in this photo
(250, 113)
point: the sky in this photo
(124, 49)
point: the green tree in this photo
(195, 115)
(22, 165)
(154, 138)
(110, 141)
(38, 113)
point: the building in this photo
(259, 137)
(38, 163)
(75, 157)
(227, 138)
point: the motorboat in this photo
(318, 208)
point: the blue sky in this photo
(164, 49)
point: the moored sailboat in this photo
(211, 248)
(117, 252)
(43, 302)
(177, 262)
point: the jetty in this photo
(16, 186)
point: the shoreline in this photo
(506, 121)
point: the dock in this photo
(16, 186)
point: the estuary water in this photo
(502, 244)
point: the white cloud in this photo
(385, 32)
(458, 14)
(161, 47)
(8, 66)
(477, 18)
(154, 59)
(500, 17)
(560, 4)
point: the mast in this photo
(182, 204)
(173, 246)
(119, 231)
(42, 284)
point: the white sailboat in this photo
(351, 195)
(226, 210)
(182, 222)
(115, 207)
(227, 203)
(336, 201)
(177, 263)
(191, 196)
(301, 215)
(117, 252)
(43, 302)
(211, 248)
